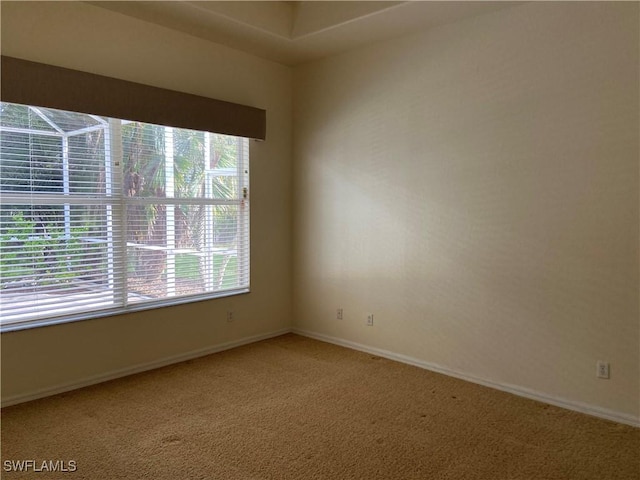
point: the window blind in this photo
(103, 215)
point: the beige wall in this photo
(475, 187)
(80, 36)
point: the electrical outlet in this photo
(339, 314)
(370, 319)
(602, 369)
(229, 316)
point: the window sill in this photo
(46, 322)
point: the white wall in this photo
(475, 187)
(84, 37)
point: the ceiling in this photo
(296, 32)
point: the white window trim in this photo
(116, 210)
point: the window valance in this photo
(31, 83)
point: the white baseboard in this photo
(123, 372)
(514, 389)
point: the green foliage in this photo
(15, 263)
(32, 258)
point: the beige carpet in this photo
(295, 408)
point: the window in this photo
(101, 215)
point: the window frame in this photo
(113, 165)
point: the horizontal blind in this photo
(102, 214)
(57, 231)
(185, 210)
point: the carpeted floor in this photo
(296, 408)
